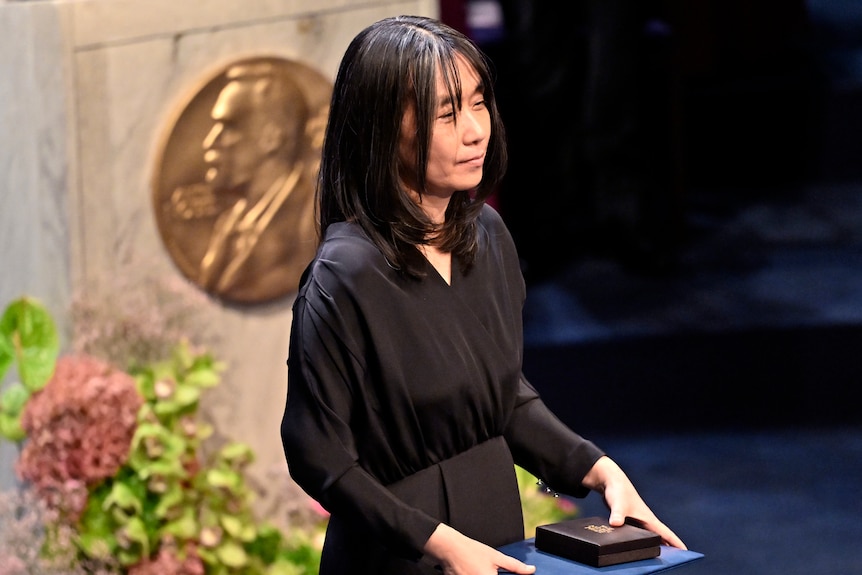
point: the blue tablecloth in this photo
(547, 564)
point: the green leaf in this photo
(238, 527)
(266, 543)
(135, 531)
(167, 450)
(187, 395)
(185, 527)
(169, 467)
(10, 427)
(237, 454)
(232, 525)
(149, 430)
(97, 545)
(248, 533)
(14, 398)
(29, 328)
(146, 381)
(205, 377)
(232, 554)
(96, 528)
(128, 558)
(208, 556)
(285, 567)
(124, 498)
(7, 354)
(169, 501)
(184, 396)
(224, 479)
(12, 402)
(204, 430)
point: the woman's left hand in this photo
(623, 500)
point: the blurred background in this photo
(685, 192)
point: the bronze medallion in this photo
(233, 188)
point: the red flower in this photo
(79, 428)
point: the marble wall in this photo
(88, 85)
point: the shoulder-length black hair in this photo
(389, 65)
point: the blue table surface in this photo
(547, 564)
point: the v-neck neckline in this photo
(439, 275)
(431, 265)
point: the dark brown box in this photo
(593, 541)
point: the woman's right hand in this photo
(460, 555)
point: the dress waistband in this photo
(475, 491)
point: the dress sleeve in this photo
(324, 372)
(546, 447)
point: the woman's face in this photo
(457, 151)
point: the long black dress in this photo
(407, 406)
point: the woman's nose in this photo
(475, 126)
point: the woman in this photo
(407, 408)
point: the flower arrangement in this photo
(115, 459)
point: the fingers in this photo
(616, 518)
(668, 537)
(624, 502)
(460, 555)
(511, 565)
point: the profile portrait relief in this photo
(234, 188)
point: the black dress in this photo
(407, 406)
